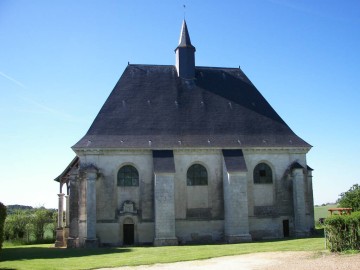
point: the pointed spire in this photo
(184, 40)
(185, 55)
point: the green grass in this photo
(322, 211)
(44, 257)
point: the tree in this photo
(2, 222)
(40, 217)
(350, 198)
(10, 209)
(15, 224)
(54, 223)
(25, 224)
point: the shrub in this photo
(343, 232)
(2, 222)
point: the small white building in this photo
(185, 154)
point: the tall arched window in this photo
(197, 176)
(128, 176)
(263, 174)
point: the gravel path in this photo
(266, 260)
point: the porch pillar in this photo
(67, 208)
(66, 228)
(59, 231)
(60, 210)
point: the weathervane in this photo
(184, 11)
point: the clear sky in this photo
(59, 61)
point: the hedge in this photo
(2, 222)
(343, 232)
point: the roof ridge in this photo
(217, 67)
(168, 65)
(157, 65)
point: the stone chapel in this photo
(185, 154)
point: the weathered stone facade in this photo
(165, 210)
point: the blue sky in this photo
(59, 61)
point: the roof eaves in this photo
(67, 169)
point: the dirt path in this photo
(266, 260)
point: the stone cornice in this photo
(84, 152)
(277, 150)
(184, 151)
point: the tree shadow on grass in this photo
(31, 253)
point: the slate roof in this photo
(151, 107)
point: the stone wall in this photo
(199, 231)
(198, 210)
(198, 197)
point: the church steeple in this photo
(185, 55)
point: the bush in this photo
(2, 222)
(343, 232)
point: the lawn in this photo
(45, 257)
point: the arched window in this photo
(262, 174)
(128, 176)
(197, 176)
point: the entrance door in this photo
(286, 229)
(128, 232)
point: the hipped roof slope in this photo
(151, 107)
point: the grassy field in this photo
(322, 211)
(45, 257)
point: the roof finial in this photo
(184, 11)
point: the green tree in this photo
(39, 218)
(15, 224)
(10, 209)
(2, 222)
(29, 231)
(26, 224)
(350, 198)
(54, 223)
